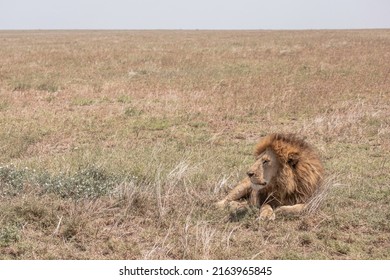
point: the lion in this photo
(285, 175)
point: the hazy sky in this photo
(194, 14)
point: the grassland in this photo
(114, 145)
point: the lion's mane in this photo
(300, 174)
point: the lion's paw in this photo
(267, 213)
(222, 204)
(235, 205)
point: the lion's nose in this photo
(250, 173)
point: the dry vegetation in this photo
(114, 145)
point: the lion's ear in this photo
(293, 159)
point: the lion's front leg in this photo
(242, 190)
(267, 213)
(291, 209)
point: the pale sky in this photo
(194, 14)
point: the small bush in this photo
(9, 235)
(91, 182)
(88, 183)
(12, 180)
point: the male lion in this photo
(285, 175)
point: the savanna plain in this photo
(116, 144)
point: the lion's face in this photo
(264, 169)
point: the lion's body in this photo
(294, 174)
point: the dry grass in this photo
(114, 145)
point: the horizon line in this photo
(195, 29)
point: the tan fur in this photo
(299, 174)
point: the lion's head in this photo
(264, 170)
(287, 168)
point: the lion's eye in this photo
(265, 161)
